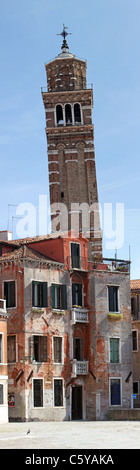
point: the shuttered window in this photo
(76, 294)
(11, 345)
(113, 298)
(114, 350)
(59, 296)
(75, 255)
(39, 294)
(40, 348)
(1, 394)
(9, 293)
(57, 349)
(38, 392)
(78, 349)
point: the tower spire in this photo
(64, 34)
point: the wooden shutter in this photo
(44, 294)
(64, 296)
(111, 350)
(43, 348)
(53, 296)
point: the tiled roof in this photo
(26, 253)
(135, 284)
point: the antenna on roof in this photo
(10, 205)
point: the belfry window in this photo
(77, 113)
(68, 114)
(59, 115)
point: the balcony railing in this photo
(102, 264)
(79, 314)
(79, 367)
(109, 264)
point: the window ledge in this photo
(114, 316)
(58, 312)
(37, 309)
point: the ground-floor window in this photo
(58, 392)
(1, 394)
(115, 391)
(136, 388)
(38, 393)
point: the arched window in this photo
(59, 115)
(77, 113)
(68, 114)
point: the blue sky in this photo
(107, 34)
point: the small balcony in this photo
(79, 315)
(3, 311)
(79, 368)
(77, 263)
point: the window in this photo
(75, 255)
(40, 348)
(39, 294)
(38, 392)
(57, 349)
(1, 394)
(77, 113)
(68, 114)
(78, 349)
(11, 345)
(114, 350)
(134, 340)
(59, 296)
(113, 299)
(76, 294)
(58, 392)
(9, 293)
(1, 348)
(59, 115)
(115, 392)
(136, 388)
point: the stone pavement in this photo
(71, 435)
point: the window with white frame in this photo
(39, 348)
(58, 392)
(115, 391)
(1, 394)
(113, 299)
(10, 294)
(39, 294)
(57, 349)
(114, 350)
(38, 393)
(11, 347)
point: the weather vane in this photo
(64, 34)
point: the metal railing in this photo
(103, 264)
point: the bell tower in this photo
(68, 104)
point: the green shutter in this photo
(53, 294)
(73, 295)
(111, 349)
(64, 296)
(44, 294)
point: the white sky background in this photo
(107, 34)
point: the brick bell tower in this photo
(68, 106)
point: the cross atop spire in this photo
(64, 34)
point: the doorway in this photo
(77, 409)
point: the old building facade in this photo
(69, 325)
(69, 330)
(135, 308)
(3, 363)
